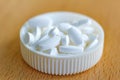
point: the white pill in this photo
(49, 43)
(65, 40)
(75, 35)
(37, 33)
(54, 32)
(64, 27)
(41, 22)
(49, 34)
(92, 41)
(46, 30)
(43, 38)
(29, 38)
(81, 22)
(53, 51)
(70, 49)
(92, 44)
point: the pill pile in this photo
(62, 38)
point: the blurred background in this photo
(13, 14)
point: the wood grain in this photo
(13, 13)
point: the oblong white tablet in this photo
(46, 30)
(65, 40)
(44, 38)
(49, 43)
(29, 38)
(37, 33)
(64, 27)
(54, 32)
(70, 49)
(75, 35)
(91, 45)
(93, 41)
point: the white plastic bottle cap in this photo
(63, 50)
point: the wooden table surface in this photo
(13, 13)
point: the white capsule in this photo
(46, 30)
(54, 32)
(49, 43)
(41, 22)
(65, 40)
(36, 31)
(92, 44)
(47, 35)
(29, 38)
(93, 41)
(51, 31)
(43, 38)
(75, 35)
(64, 27)
(81, 22)
(53, 51)
(70, 49)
